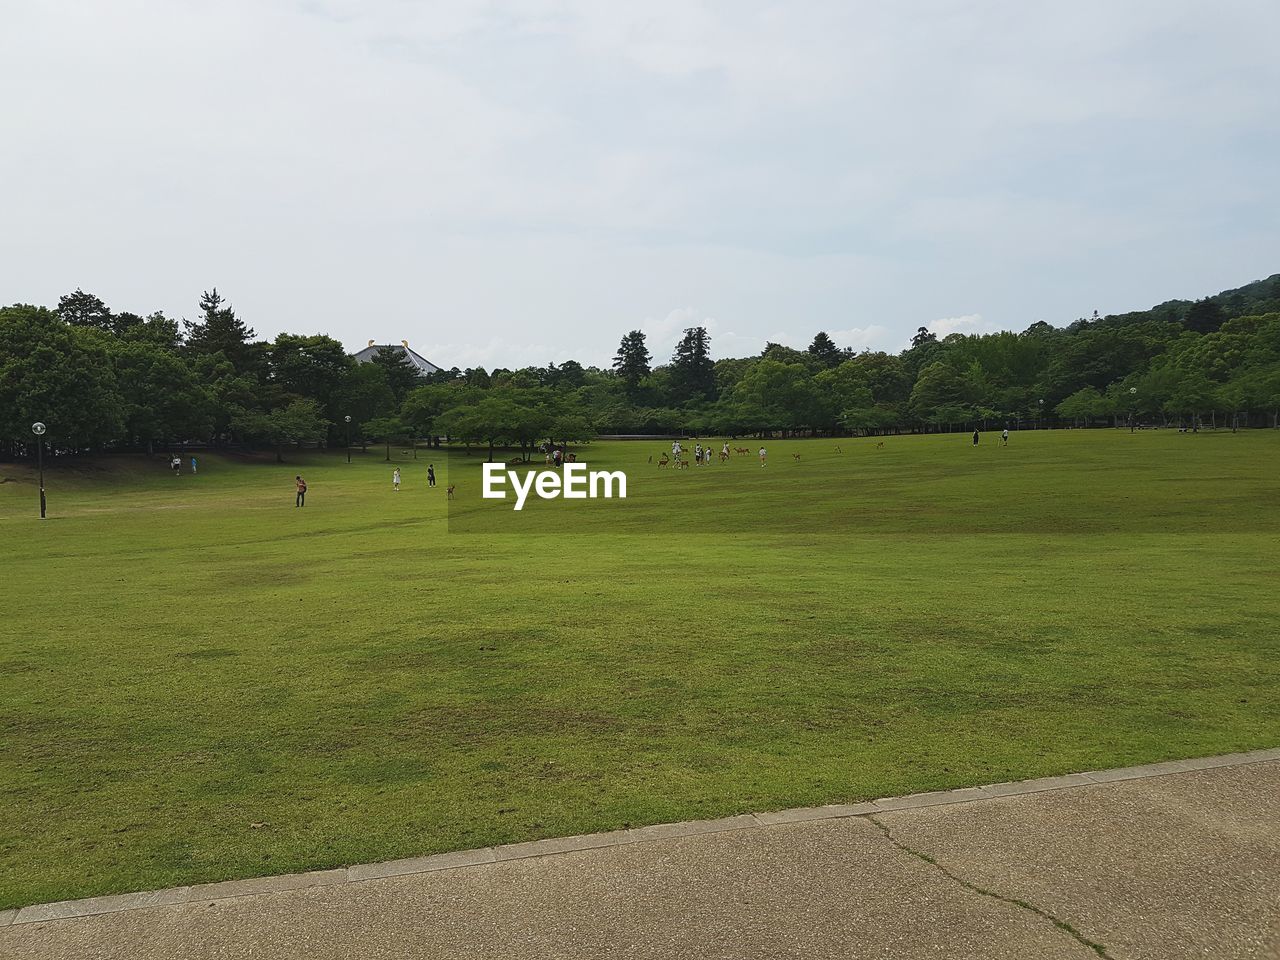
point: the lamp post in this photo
(38, 429)
(1133, 393)
(1040, 411)
(348, 419)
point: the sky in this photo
(519, 182)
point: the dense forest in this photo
(103, 380)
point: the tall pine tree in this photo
(632, 361)
(693, 372)
(402, 375)
(219, 331)
(824, 350)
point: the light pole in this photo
(38, 429)
(348, 419)
(1133, 393)
(1040, 411)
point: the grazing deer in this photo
(662, 462)
(795, 456)
(880, 445)
(450, 490)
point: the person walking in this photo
(975, 438)
(301, 499)
(431, 474)
(1004, 437)
(395, 479)
(176, 464)
(193, 466)
(763, 457)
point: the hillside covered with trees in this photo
(103, 380)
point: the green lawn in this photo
(199, 681)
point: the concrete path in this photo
(1176, 860)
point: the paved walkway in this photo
(1175, 860)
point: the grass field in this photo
(200, 682)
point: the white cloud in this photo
(873, 337)
(526, 175)
(969, 323)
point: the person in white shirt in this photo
(1004, 437)
(763, 457)
(395, 479)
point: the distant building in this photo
(423, 365)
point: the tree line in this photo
(104, 380)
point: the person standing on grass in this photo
(301, 499)
(724, 452)
(193, 466)
(763, 457)
(395, 479)
(975, 438)
(1004, 437)
(431, 474)
(176, 464)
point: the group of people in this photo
(431, 477)
(1004, 437)
(701, 454)
(300, 485)
(557, 456)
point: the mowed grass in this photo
(200, 682)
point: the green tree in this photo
(162, 399)
(632, 360)
(82, 309)
(780, 396)
(1193, 396)
(311, 367)
(923, 337)
(824, 350)
(693, 372)
(423, 404)
(363, 395)
(300, 422)
(402, 375)
(387, 430)
(58, 374)
(1204, 316)
(1083, 405)
(220, 331)
(939, 389)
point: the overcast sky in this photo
(506, 183)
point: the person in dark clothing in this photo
(301, 499)
(975, 438)
(431, 475)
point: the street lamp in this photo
(38, 429)
(348, 419)
(1133, 392)
(1040, 417)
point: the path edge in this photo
(557, 846)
